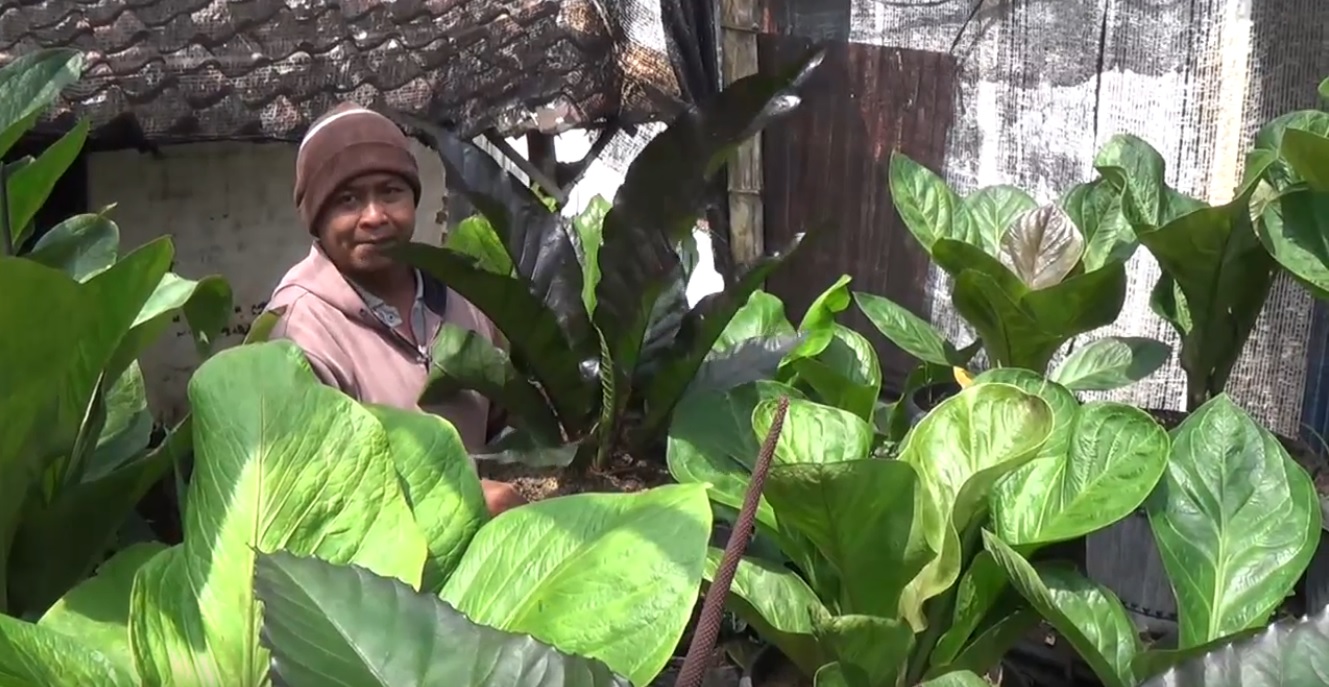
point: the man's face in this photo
(367, 216)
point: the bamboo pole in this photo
(738, 58)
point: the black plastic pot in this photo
(925, 398)
(768, 666)
(1125, 559)
(1313, 589)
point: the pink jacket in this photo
(353, 350)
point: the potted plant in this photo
(603, 344)
(1215, 278)
(1026, 278)
(1288, 168)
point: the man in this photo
(364, 320)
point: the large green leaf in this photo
(979, 589)
(1294, 228)
(818, 322)
(1236, 520)
(30, 83)
(614, 576)
(34, 656)
(1062, 402)
(474, 236)
(911, 333)
(749, 361)
(97, 611)
(82, 246)
(128, 427)
(31, 185)
(440, 485)
(206, 305)
(813, 433)
(697, 335)
(929, 208)
(531, 327)
(1294, 652)
(328, 624)
(845, 374)
(869, 650)
(84, 517)
(664, 190)
(282, 462)
(994, 209)
(1095, 208)
(777, 603)
(1111, 363)
(762, 316)
(960, 450)
(1086, 614)
(712, 441)
(1116, 454)
(464, 360)
(861, 516)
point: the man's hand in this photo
(500, 496)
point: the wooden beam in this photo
(738, 58)
(826, 172)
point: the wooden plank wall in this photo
(825, 172)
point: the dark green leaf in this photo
(462, 359)
(1136, 170)
(979, 589)
(1087, 615)
(1294, 228)
(1111, 362)
(1236, 521)
(330, 624)
(82, 246)
(988, 648)
(535, 237)
(530, 326)
(1287, 653)
(30, 186)
(911, 333)
(662, 193)
(1324, 93)
(749, 361)
(30, 83)
(698, 334)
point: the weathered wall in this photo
(228, 209)
(1046, 82)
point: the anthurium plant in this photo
(603, 344)
(285, 463)
(74, 445)
(1215, 275)
(1026, 277)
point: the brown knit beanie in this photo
(346, 142)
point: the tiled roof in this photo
(264, 69)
